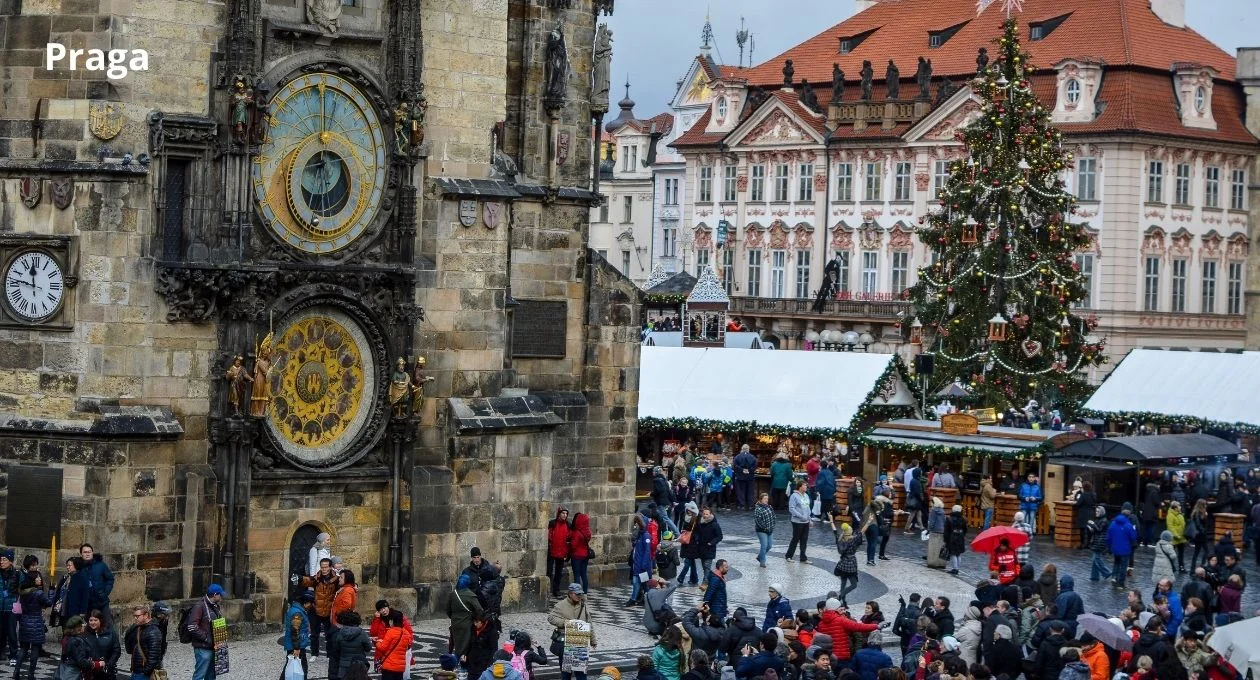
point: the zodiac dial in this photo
(322, 386)
(320, 173)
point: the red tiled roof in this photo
(696, 136)
(664, 123)
(792, 100)
(1121, 32)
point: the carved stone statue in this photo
(892, 78)
(418, 381)
(260, 398)
(241, 101)
(600, 79)
(808, 97)
(557, 66)
(324, 14)
(399, 389)
(402, 136)
(982, 59)
(868, 74)
(924, 77)
(788, 72)
(837, 84)
(237, 378)
(944, 91)
(756, 97)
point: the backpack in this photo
(518, 662)
(185, 637)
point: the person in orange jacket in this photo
(391, 649)
(380, 622)
(345, 600)
(1095, 656)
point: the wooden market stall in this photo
(1119, 467)
(769, 400)
(970, 450)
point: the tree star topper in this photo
(1008, 6)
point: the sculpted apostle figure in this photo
(236, 377)
(260, 397)
(399, 388)
(600, 78)
(324, 14)
(418, 381)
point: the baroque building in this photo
(323, 267)
(830, 153)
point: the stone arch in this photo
(298, 542)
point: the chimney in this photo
(1171, 12)
(863, 5)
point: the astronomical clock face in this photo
(323, 382)
(320, 173)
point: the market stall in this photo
(1119, 467)
(766, 399)
(970, 450)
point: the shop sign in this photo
(959, 424)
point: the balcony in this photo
(802, 308)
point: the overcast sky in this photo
(655, 40)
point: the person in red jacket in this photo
(391, 649)
(380, 622)
(836, 623)
(557, 549)
(1004, 562)
(580, 548)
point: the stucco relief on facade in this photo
(778, 235)
(753, 235)
(1153, 242)
(1181, 242)
(842, 237)
(777, 128)
(901, 238)
(1211, 249)
(803, 236)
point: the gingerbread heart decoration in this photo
(1031, 348)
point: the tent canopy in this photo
(1215, 388)
(914, 435)
(785, 389)
(1152, 448)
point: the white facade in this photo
(621, 229)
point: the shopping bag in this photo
(293, 669)
(816, 510)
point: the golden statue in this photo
(236, 377)
(260, 398)
(418, 379)
(399, 388)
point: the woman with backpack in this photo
(525, 654)
(392, 648)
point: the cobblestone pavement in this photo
(621, 635)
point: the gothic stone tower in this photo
(237, 258)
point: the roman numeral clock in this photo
(38, 281)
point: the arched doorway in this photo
(299, 553)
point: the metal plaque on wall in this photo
(538, 328)
(34, 512)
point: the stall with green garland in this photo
(798, 403)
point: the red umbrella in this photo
(987, 541)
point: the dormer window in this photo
(1073, 91)
(1038, 30)
(846, 45)
(850, 43)
(721, 108)
(938, 38)
(1200, 99)
(1193, 84)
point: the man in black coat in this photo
(1198, 587)
(993, 617)
(1049, 662)
(662, 494)
(941, 615)
(101, 580)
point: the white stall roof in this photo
(787, 388)
(1216, 387)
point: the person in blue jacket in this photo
(1030, 498)
(745, 467)
(715, 594)
(871, 659)
(1121, 537)
(640, 559)
(752, 665)
(297, 629)
(1176, 612)
(1069, 603)
(75, 592)
(825, 484)
(779, 607)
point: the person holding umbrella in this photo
(1001, 543)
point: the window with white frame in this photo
(844, 182)
(802, 273)
(781, 182)
(671, 191)
(1073, 91)
(1181, 187)
(1208, 288)
(627, 206)
(1087, 179)
(603, 253)
(754, 272)
(874, 182)
(603, 211)
(1150, 288)
(900, 271)
(778, 273)
(728, 183)
(940, 177)
(1085, 262)
(625, 262)
(805, 183)
(625, 158)
(1155, 182)
(1238, 189)
(842, 277)
(1233, 288)
(757, 183)
(705, 193)
(728, 269)
(870, 271)
(1212, 186)
(702, 260)
(1179, 284)
(669, 241)
(901, 181)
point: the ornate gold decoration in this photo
(319, 382)
(260, 397)
(105, 119)
(237, 377)
(399, 389)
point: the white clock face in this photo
(33, 286)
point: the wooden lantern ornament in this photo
(971, 233)
(1065, 332)
(997, 329)
(916, 332)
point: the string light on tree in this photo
(1000, 292)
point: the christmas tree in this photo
(996, 303)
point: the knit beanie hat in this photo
(832, 604)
